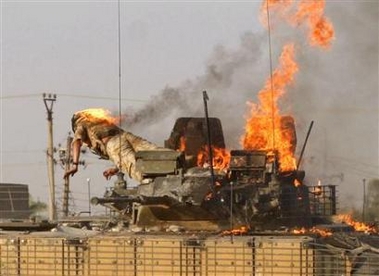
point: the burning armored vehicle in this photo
(211, 194)
(201, 189)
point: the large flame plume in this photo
(263, 129)
(265, 125)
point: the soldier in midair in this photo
(96, 129)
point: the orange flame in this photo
(310, 12)
(296, 182)
(238, 231)
(358, 226)
(182, 146)
(300, 231)
(313, 230)
(321, 232)
(221, 158)
(263, 129)
(321, 29)
(98, 115)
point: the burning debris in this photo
(314, 230)
(342, 223)
(221, 158)
(358, 226)
(243, 230)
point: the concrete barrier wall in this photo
(158, 255)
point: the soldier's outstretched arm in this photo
(75, 147)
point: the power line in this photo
(20, 96)
(351, 162)
(72, 96)
(23, 164)
(102, 98)
(22, 151)
(350, 168)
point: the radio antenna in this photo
(205, 99)
(271, 81)
(120, 175)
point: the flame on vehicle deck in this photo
(221, 158)
(358, 226)
(237, 231)
(313, 230)
(263, 129)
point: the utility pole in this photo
(49, 100)
(67, 162)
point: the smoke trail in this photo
(230, 80)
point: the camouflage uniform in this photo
(120, 147)
(123, 147)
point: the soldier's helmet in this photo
(74, 120)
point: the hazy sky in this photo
(171, 51)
